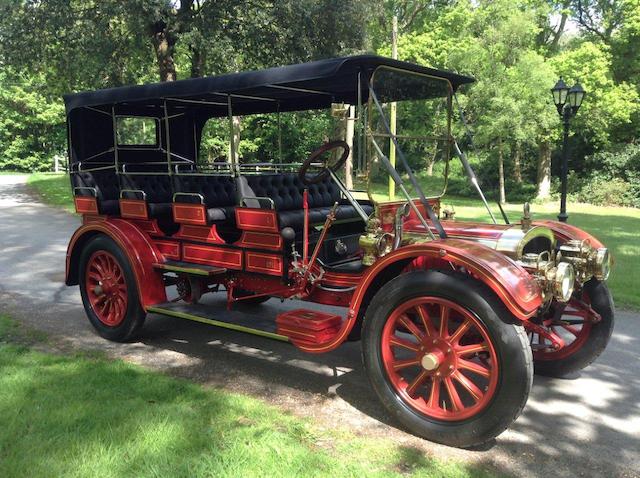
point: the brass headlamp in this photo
(587, 260)
(556, 280)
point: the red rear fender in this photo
(136, 245)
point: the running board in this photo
(255, 325)
(189, 268)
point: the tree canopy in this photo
(515, 48)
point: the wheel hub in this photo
(430, 362)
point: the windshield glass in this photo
(421, 108)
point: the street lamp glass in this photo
(559, 92)
(575, 96)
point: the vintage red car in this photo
(453, 316)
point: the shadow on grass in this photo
(86, 416)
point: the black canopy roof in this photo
(310, 85)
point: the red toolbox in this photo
(308, 325)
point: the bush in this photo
(608, 192)
(614, 178)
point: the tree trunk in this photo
(544, 171)
(503, 198)
(517, 166)
(164, 42)
(197, 62)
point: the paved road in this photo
(588, 425)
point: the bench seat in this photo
(318, 215)
(286, 191)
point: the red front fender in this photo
(518, 291)
(566, 232)
(134, 243)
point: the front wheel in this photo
(108, 289)
(584, 339)
(445, 358)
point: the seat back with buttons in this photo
(217, 191)
(286, 191)
(105, 183)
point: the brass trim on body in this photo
(217, 323)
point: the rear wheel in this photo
(444, 359)
(584, 340)
(108, 289)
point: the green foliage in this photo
(609, 106)
(514, 49)
(31, 124)
(611, 177)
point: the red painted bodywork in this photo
(134, 209)
(510, 282)
(194, 214)
(387, 212)
(212, 256)
(86, 205)
(135, 244)
(261, 220)
(199, 233)
(260, 240)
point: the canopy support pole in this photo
(233, 147)
(166, 134)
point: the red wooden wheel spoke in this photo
(400, 364)
(456, 402)
(419, 380)
(397, 341)
(444, 321)
(471, 387)
(571, 329)
(434, 394)
(471, 349)
(94, 276)
(460, 331)
(474, 367)
(411, 327)
(426, 321)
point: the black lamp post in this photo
(567, 101)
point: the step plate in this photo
(212, 315)
(189, 268)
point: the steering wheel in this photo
(324, 172)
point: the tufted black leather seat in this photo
(286, 191)
(158, 190)
(219, 194)
(105, 183)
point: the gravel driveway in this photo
(588, 425)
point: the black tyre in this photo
(109, 290)
(584, 341)
(445, 357)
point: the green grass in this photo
(53, 189)
(85, 415)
